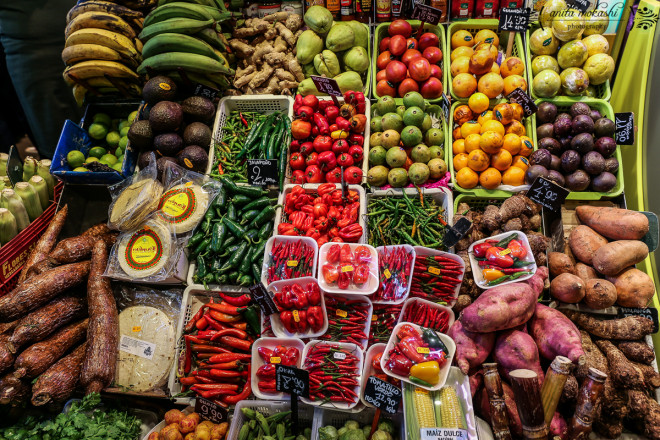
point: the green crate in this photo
(477, 202)
(473, 26)
(603, 91)
(381, 32)
(563, 104)
(530, 127)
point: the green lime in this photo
(108, 159)
(102, 118)
(132, 117)
(124, 123)
(97, 152)
(81, 169)
(98, 131)
(123, 131)
(123, 142)
(116, 167)
(113, 138)
(75, 158)
(91, 159)
(119, 152)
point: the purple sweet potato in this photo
(514, 350)
(472, 349)
(476, 380)
(555, 334)
(504, 307)
(558, 427)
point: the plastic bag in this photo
(395, 268)
(348, 268)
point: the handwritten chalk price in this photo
(383, 395)
(426, 14)
(624, 131)
(262, 172)
(513, 20)
(326, 85)
(548, 194)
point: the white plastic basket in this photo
(422, 252)
(268, 408)
(257, 362)
(368, 369)
(163, 424)
(411, 302)
(287, 239)
(370, 311)
(408, 249)
(278, 328)
(326, 416)
(366, 289)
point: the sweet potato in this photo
(614, 257)
(633, 288)
(614, 223)
(599, 294)
(567, 288)
(555, 334)
(476, 380)
(558, 427)
(585, 272)
(504, 307)
(560, 263)
(584, 242)
(472, 349)
(515, 349)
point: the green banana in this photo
(174, 25)
(211, 37)
(170, 42)
(177, 10)
(187, 61)
(210, 3)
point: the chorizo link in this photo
(59, 382)
(45, 243)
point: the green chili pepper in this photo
(201, 267)
(250, 191)
(266, 231)
(505, 241)
(259, 203)
(218, 237)
(235, 228)
(249, 215)
(232, 212)
(266, 215)
(258, 252)
(195, 240)
(253, 319)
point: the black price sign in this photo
(262, 297)
(15, 164)
(326, 85)
(624, 131)
(262, 172)
(456, 232)
(520, 97)
(580, 5)
(292, 380)
(446, 106)
(547, 193)
(210, 411)
(513, 19)
(647, 312)
(426, 14)
(205, 91)
(382, 395)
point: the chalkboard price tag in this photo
(513, 20)
(456, 232)
(292, 380)
(382, 395)
(624, 131)
(326, 85)
(205, 91)
(262, 297)
(210, 411)
(446, 106)
(520, 97)
(15, 164)
(647, 312)
(580, 5)
(548, 194)
(426, 14)
(443, 434)
(262, 172)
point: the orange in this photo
(518, 111)
(458, 146)
(490, 179)
(478, 160)
(462, 114)
(461, 38)
(520, 162)
(512, 143)
(491, 85)
(486, 116)
(495, 68)
(469, 128)
(460, 161)
(460, 65)
(503, 113)
(527, 146)
(493, 125)
(514, 176)
(472, 142)
(461, 51)
(501, 160)
(478, 103)
(516, 127)
(466, 178)
(464, 85)
(513, 82)
(491, 142)
(456, 134)
(487, 36)
(512, 66)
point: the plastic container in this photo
(268, 408)
(444, 370)
(382, 276)
(412, 302)
(352, 348)
(370, 311)
(278, 328)
(366, 289)
(257, 362)
(476, 270)
(368, 369)
(287, 239)
(424, 252)
(325, 416)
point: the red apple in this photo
(396, 71)
(400, 27)
(428, 40)
(409, 55)
(420, 69)
(436, 71)
(432, 88)
(407, 85)
(433, 54)
(384, 44)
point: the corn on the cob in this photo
(29, 168)
(424, 409)
(43, 170)
(451, 411)
(8, 228)
(4, 158)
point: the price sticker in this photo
(262, 172)
(504, 252)
(548, 194)
(423, 350)
(210, 411)
(339, 356)
(137, 328)
(383, 395)
(292, 263)
(347, 268)
(342, 313)
(275, 360)
(296, 316)
(434, 270)
(387, 274)
(374, 318)
(624, 130)
(421, 391)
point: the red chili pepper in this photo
(322, 123)
(230, 332)
(224, 317)
(494, 255)
(228, 357)
(197, 348)
(239, 301)
(226, 308)
(217, 386)
(233, 365)
(517, 249)
(243, 120)
(297, 103)
(187, 381)
(191, 324)
(243, 394)
(233, 342)
(201, 323)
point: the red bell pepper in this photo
(322, 123)
(351, 233)
(320, 210)
(326, 188)
(362, 254)
(315, 318)
(313, 294)
(517, 249)
(345, 160)
(345, 254)
(292, 354)
(301, 129)
(399, 364)
(323, 239)
(298, 297)
(407, 330)
(286, 317)
(294, 146)
(301, 323)
(331, 113)
(305, 113)
(312, 159)
(265, 354)
(336, 197)
(298, 176)
(494, 255)
(297, 219)
(361, 274)
(345, 275)
(330, 273)
(333, 232)
(266, 371)
(334, 214)
(333, 254)
(409, 345)
(311, 101)
(479, 250)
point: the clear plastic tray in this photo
(368, 369)
(257, 362)
(268, 408)
(409, 249)
(410, 302)
(279, 329)
(422, 252)
(367, 328)
(287, 239)
(366, 289)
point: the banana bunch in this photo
(102, 52)
(186, 34)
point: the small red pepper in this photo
(244, 394)
(345, 275)
(333, 254)
(305, 113)
(292, 354)
(479, 250)
(361, 274)
(266, 371)
(238, 301)
(311, 101)
(299, 297)
(301, 129)
(325, 188)
(494, 255)
(315, 318)
(517, 249)
(345, 254)
(330, 273)
(286, 317)
(331, 113)
(322, 123)
(313, 294)
(351, 233)
(362, 254)
(297, 103)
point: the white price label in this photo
(137, 347)
(443, 434)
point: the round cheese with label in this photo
(146, 251)
(183, 206)
(134, 204)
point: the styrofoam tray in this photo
(367, 328)
(257, 362)
(410, 302)
(422, 252)
(163, 424)
(368, 369)
(408, 248)
(366, 289)
(444, 370)
(337, 418)
(352, 348)
(287, 239)
(268, 408)
(278, 328)
(476, 270)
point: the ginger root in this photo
(293, 22)
(286, 33)
(630, 327)
(242, 49)
(638, 351)
(261, 76)
(245, 77)
(270, 34)
(261, 50)
(279, 45)
(278, 16)
(274, 58)
(289, 84)
(294, 67)
(623, 373)
(284, 75)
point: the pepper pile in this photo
(347, 320)
(229, 244)
(328, 139)
(394, 268)
(343, 266)
(383, 320)
(419, 356)
(502, 260)
(435, 278)
(216, 357)
(333, 373)
(289, 356)
(325, 215)
(406, 220)
(423, 314)
(300, 309)
(289, 259)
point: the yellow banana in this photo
(99, 20)
(102, 6)
(82, 52)
(88, 69)
(104, 37)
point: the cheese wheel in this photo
(146, 251)
(183, 206)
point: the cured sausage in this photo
(38, 357)
(40, 323)
(45, 243)
(41, 288)
(59, 382)
(103, 334)
(13, 390)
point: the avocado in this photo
(168, 144)
(197, 133)
(165, 116)
(198, 109)
(161, 165)
(145, 157)
(140, 134)
(159, 88)
(194, 158)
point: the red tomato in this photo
(396, 71)
(397, 45)
(420, 69)
(313, 174)
(383, 59)
(381, 75)
(407, 85)
(432, 88)
(410, 55)
(384, 44)
(384, 88)
(353, 175)
(433, 54)
(297, 161)
(400, 27)
(411, 43)
(436, 71)
(428, 39)
(306, 148)
(298, 176)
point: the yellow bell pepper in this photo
(492, 274)
(339, 134)
(426, 371)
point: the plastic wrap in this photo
(395, 268)
(302, 308)
(348, 268)
(350, 317)
(289, 257)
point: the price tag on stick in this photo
(454, 234)
(15, 164)
(647, 312)
(262, 297)
(210, 411)
(382, 395)
(327, 85)
(513, 20)
(624, 131)
(526, 102)
(580, 5)
(426, 14)
(446, 106)
(295, 382)
(262, 172)
(548, 194)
